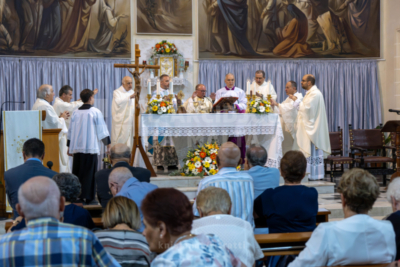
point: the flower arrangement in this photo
(160, 106)
(260, 106)
(165, 48)
(201, 161)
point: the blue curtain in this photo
(350, 87)
(21, 77)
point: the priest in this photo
(312, 133)
(86, 130)
(262, 88)
(288, 114)
(165, 91)
(123, 113)
(54, 120)
(199, 103)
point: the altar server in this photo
(54, 120)
(312, 133)
(262, 88)
(199, 103)
(288, 114)
(87, 128)
(123, 113)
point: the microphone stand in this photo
(1, 110)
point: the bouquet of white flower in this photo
(260, 106)
(160, 106)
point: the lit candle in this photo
(248, 87)
(149, 86)
(171, 87)
(158, 86)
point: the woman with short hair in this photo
(122, 240)
(168, 218)
(393, 196)
(356, 240)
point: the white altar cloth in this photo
(187, 129)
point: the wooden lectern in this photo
(394, 126)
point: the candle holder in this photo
(171, 97)
(248, 103)
(269, 98)
(254, 97)
(158, 96)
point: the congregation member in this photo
(312, 133)
(87, 128)
(356, 240)
(199, 103)
(393, 196)
(122, 183)
(123, 113)
(261, 88)
(214, 206)
(70, 189)
(263, 177)
(238, 184)
(45, 95)
(33, 154)
(120, 154)
(121, 219)
(168, 218)
(288, 114)
(292, 207)
(41, 205)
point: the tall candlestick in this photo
(248, 87)
(171, 87)
(269, 84)
(158, 86)
(149, 86)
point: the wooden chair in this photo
(362, 141)
(337, 158)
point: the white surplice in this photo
(312, 133)
(204, 105)
(236, 92)
(123, 113)
(265, 89)
(53, 121)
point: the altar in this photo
(189, 129)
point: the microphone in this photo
(1, 110)
(395, 110)
(49, 164)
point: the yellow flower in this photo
(206, 164)
(196, 159)
(191, 167)
(167, 50)
(182, 174)
(155, 108)
(254, 110)
(267, 109)
(252, 103)
(212, 172)
(169, 111)
(238, 168)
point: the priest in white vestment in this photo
(312, 133)
(123, 113)
(262, 88)
(54, 120)
(288, 114)
(199, 103)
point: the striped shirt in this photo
(240, 188)
(48, 242)
(129, 248)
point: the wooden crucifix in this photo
(137, 139)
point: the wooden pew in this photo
(282, 244)
(393, 264)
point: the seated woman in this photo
(70, 188)
(122, 240)
(393, 196)
(356, 240)
(292, 207)
(168, 218)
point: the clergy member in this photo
(199, 103)
(87, 128)
(165, 92)
(262, 88)
(123, 113)
(288, 114)
(54, 120)
(312, 133)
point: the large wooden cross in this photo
(137, 139)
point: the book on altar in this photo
(219, 105)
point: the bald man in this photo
(199, 103)
(42, 205)
(120, 155)
(239, 185)
(123, 112)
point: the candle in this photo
(149, 86)
(158, 86)
(171, 87)
(152, 74)
(269, 84)
(248, 87)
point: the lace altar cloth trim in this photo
(207, 131)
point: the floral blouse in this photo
(201, 250)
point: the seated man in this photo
(199, 103)
(33, 154)
(263, 177)
(393, 196)
(122, 183)
(120, 155)
(238, 184)
(41, 204)
(214, 206)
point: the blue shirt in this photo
(264, 178)
(136, 190)
(239, 186)
(35, 159)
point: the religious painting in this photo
(70, 28)
(164, 17)
(289, 29)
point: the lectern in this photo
(394, 126)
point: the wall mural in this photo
(71, 28)
(164, 16)
(289, 28)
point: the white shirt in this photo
(237, 92)
(52, 120)
(265, 89)
(122, 112)
(288, 112)
(87, 128)
(60, 106)
(357, 240)
(242, 243)
(164, 92)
